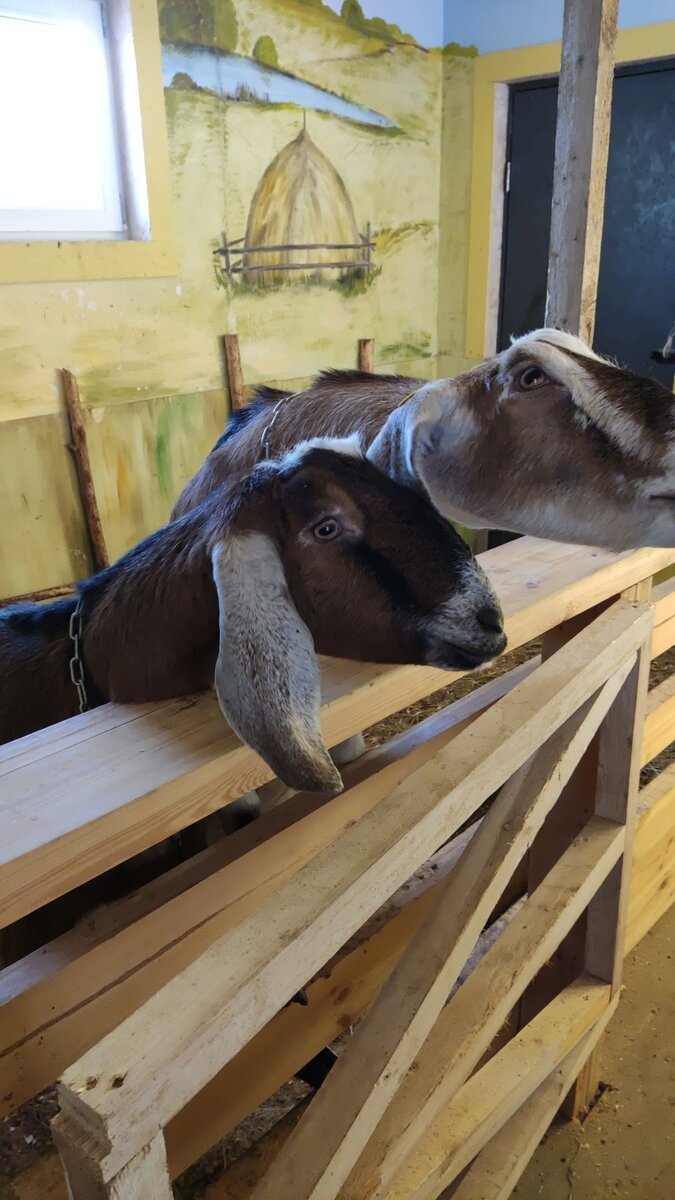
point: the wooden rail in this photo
(57, 1003)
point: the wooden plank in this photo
(367, 354)
(497, 1169)
(616, 800)
(581, 147)
(247, 974)
(141, 773)
(659, 730)
(652, 883)
(80, 452)
(498, 1090)
(63, 998)
(144, 1177)
(235, 376)
(337, 998)
(335, 1129)
(472, 1017)
(663, 597)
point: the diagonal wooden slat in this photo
(494, 1093)
(499, 1166)
(473, 1016)
(175, 1043)
(336, 1127)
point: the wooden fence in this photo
(171, 1003)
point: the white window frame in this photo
(108, 220)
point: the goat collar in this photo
(88, 694)
(265, 435)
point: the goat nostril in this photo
(490, 619)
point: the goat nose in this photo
(490, 619)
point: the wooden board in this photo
(40, 507)
(64, 998)
(498, 1090)
(142, 454)
(250, 971)
(87, 794)
(659, 729)
(338, 997)
(344, 1114)
(499, 1166)
(473, 1016)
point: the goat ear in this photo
(408, 432)
(267, 676)
(418, 440)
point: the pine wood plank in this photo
(659, 730)
(63, 998)
(249, 971)
(335, 1129)
(616, 799)
(499, 1166)
(472, 1017)
(498, 1090)
(144, 1177)
(336, 999)
(87, 794)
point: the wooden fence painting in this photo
(233, 255)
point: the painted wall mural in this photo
(308, 201)
(346, 196)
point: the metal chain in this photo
(76, 664)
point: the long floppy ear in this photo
(409, 430)
(417, 438)
(267, 676)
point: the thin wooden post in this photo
(367, 354)
(581, 147)
(51, 593)
(80, 452)
(234, 374)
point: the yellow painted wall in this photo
(147, 351)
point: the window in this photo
(58, 140)
(84, 167)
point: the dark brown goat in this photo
(319, 550)
(546, 438)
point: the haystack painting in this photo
(308, 140)
(301, 225)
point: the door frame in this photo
(493, 75)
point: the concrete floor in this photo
(626, 1145)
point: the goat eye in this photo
(530, 378)
(326, 530)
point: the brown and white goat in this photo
(319, 551)
(547, 438)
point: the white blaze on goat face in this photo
(548, 439)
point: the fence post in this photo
(234, 373)
(367, 355)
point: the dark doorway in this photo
(636, 290)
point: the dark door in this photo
(636, 289)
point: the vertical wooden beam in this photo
(367, 354)
(618, 781)
(581, 146)
(80, 452)
(235, 378)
